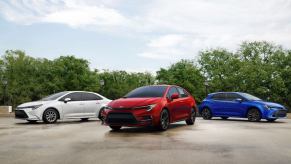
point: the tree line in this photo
(259, 68)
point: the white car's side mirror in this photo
(67, 100)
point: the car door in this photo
(218, 104)
(92, 104)
(185, 103)
(234, 107)
(75, 107)
(174, 105)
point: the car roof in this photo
(214, 93)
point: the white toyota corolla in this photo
(63, 105)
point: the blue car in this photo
(238, 104)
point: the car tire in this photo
(254, 115)
(84, 119)
(115, 128)
(224, 118)
(271, 120)
(164, 120)
(191, 120)
(50, 116)
(206, 114)
(100, 117)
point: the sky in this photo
(139, 35)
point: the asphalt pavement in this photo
(208, 141)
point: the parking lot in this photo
(208, 141)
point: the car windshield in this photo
(54, 96)
(250, 97)
(147, 91)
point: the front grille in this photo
(121, 118)
(20, 114)
(122, 108)
(280, 113)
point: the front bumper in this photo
(276, 113)
(26, 114)
(130, 118)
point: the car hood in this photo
(133, 102)
(33, 103)
(271, 104)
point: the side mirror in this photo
(67, 100)
(175, 96)
(238, 100)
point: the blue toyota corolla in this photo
(238, 104)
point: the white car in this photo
(63, 105)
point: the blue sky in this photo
(139, 35)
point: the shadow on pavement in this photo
(151, 130)
(57, 123)
(245, 120)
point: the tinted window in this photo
(182, 92)
(232, 96)
(219, 96)
(90, 96)
(76, 96)
(171, 91)
(147, 91)
(54, 96)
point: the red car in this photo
(155, 105)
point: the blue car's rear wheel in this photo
(254, 115)
(206, 114)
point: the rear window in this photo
(147, 91)
(90, 96)
(219, 96)
(182, 92)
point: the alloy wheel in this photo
(206, 114)
(164, 119)
(51, 116)
(254, 115)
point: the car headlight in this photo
(107, 107)
(150, 107)
(267, 107)
(34, 107)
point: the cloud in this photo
(200, 24)
(73, 13)
(171, 30)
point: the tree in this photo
(118, 83)
(185, 74)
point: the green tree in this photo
(185, 74)
(118, 83)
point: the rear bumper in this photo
(130, 118)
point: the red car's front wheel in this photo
(191, 120)
(164, 120)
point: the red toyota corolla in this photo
(155, 105)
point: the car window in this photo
(232, 96)
(147, 91)
(54, 96)
(91, 96)
(182, 92)
(171, 91)
(76, 96)
(219, 96)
